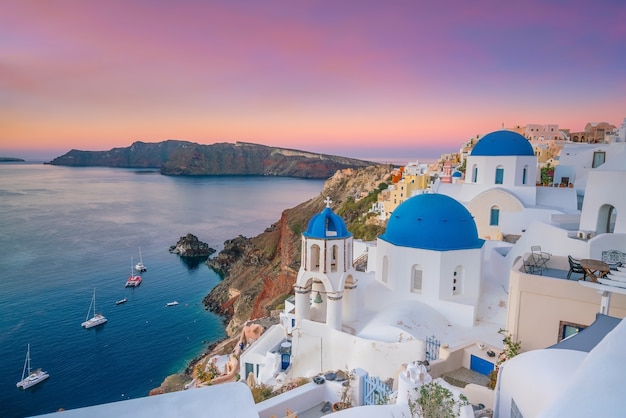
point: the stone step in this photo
(463, 376)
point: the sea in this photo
(65, 231)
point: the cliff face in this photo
(259, 272)
(138, 155)
(190, 159)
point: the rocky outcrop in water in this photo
(191, 246)
(183, 158)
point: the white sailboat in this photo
(97, 318)
(33, 377)
(139, 266)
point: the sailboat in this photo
(139, 266)
(133, 279)
(97, 318)
(33, 377)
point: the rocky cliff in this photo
(138, 155)
(259, 272)
(191, 159)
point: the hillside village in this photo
(500, 278)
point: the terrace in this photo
(557, 267)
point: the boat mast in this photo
(26, 363)
(93, 303)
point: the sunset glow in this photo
(356, 78)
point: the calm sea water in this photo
(65, 231)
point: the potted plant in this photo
(345, 394)
(511, 349)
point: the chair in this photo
(574, 266)
(531, 268)
(540, 258)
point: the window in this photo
(515, 412)
(333, 259)
(457, 281)
(499, 174)
(524, 174)
(494, 216)
(315, 257)
(385, 269)
(416, 279)
(598, 158)
(567, 329)
(249, 368)
(474, 174)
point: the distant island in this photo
(184, 158)
(11, 160)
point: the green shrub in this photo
(436, 401)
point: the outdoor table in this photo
(594, 269)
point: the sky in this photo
(358, 78)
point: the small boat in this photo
(133, 279)
(139, 266)
(171, 303)
(33, 377)
(119, 302)
(97, 319)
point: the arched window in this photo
(416, 279)
(494, 216)
(315, 257)
(499, 174)
(474, 173)
(525, 174)
(607, 217)
(333, 258)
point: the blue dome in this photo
(501, 143)
(432, 222)
(326, 224)
(457, 174)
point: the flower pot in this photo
(338, 406)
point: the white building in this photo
(430, 253)
(500, 187)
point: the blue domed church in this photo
(431, 253)
(500, 187)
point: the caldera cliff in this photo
(184, 158)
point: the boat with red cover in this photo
(133, 279)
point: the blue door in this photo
(480, 365)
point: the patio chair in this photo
(540, 258)
(530, 268)
(574, 266)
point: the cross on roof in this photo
(328, 201)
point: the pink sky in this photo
(356, 78)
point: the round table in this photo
(594, 268)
